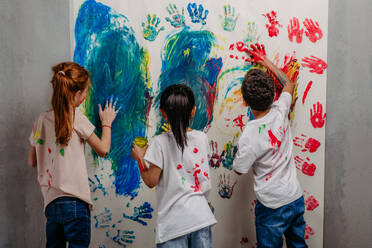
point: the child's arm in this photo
(32, 160)
(151, 175)
(258, 54)
(107, 116)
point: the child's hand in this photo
(138, 153)
(257, 53)
(109, 113)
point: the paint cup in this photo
(140, 141)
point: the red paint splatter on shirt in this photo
(196, 187)
(270, 175)
(206, 175)
(195, 150)
(179, 167)
(273, 139)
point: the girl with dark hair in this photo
(178, 166)
(57, 144)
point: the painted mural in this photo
(135, 49)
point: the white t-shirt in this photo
(266, 145)
(183, 185)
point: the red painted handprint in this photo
(305, 166)
(310, 202)
(273, 25)
(295, 30)
(313, 32)
(308, 232)
(316, 116)
(273, 139)
(310, 145)
(315, 64)
(238, 122)
(216, 159)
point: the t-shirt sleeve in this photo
(154, 153)
(284, 103)
(83, 127)
(245, 157)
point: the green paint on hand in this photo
(40, 141)
(62, 151)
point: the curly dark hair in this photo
(258, 89)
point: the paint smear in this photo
(118, 65)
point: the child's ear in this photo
(193, 111)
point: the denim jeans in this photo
(198, 239)
(68, 220)
(272, 224)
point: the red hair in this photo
(68, 78)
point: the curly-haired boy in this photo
(266, 145)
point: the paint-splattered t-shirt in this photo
(183, 185)
(61, 169)
(266, 145)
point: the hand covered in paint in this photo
(108, 114)
(178, 20)
(196, 13)
(229, 18)
(257, 53)
(138, 152)
(150, 29)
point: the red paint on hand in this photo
(273, 139)
(316, 115)
(306, 91)
(257, 53)
(295, 31)
(141, 167)
(273, 25)
(315, 64)
(313, 32)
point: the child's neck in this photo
(259, 114)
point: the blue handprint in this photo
(143, 212)
(150, 31)
(229, 18)
(123, 237)
(178, 20)
(103, 219)
(96, 185)
(228, 155)
(196, 13)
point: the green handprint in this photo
(150, 31)
(178, 20)
(229, 18)
(228, 155)
(251, 36)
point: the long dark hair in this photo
(178, 101)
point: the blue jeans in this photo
(198, 239)
(68, 220)
(272, 224)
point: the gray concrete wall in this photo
(34, 35)
(348, 195)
